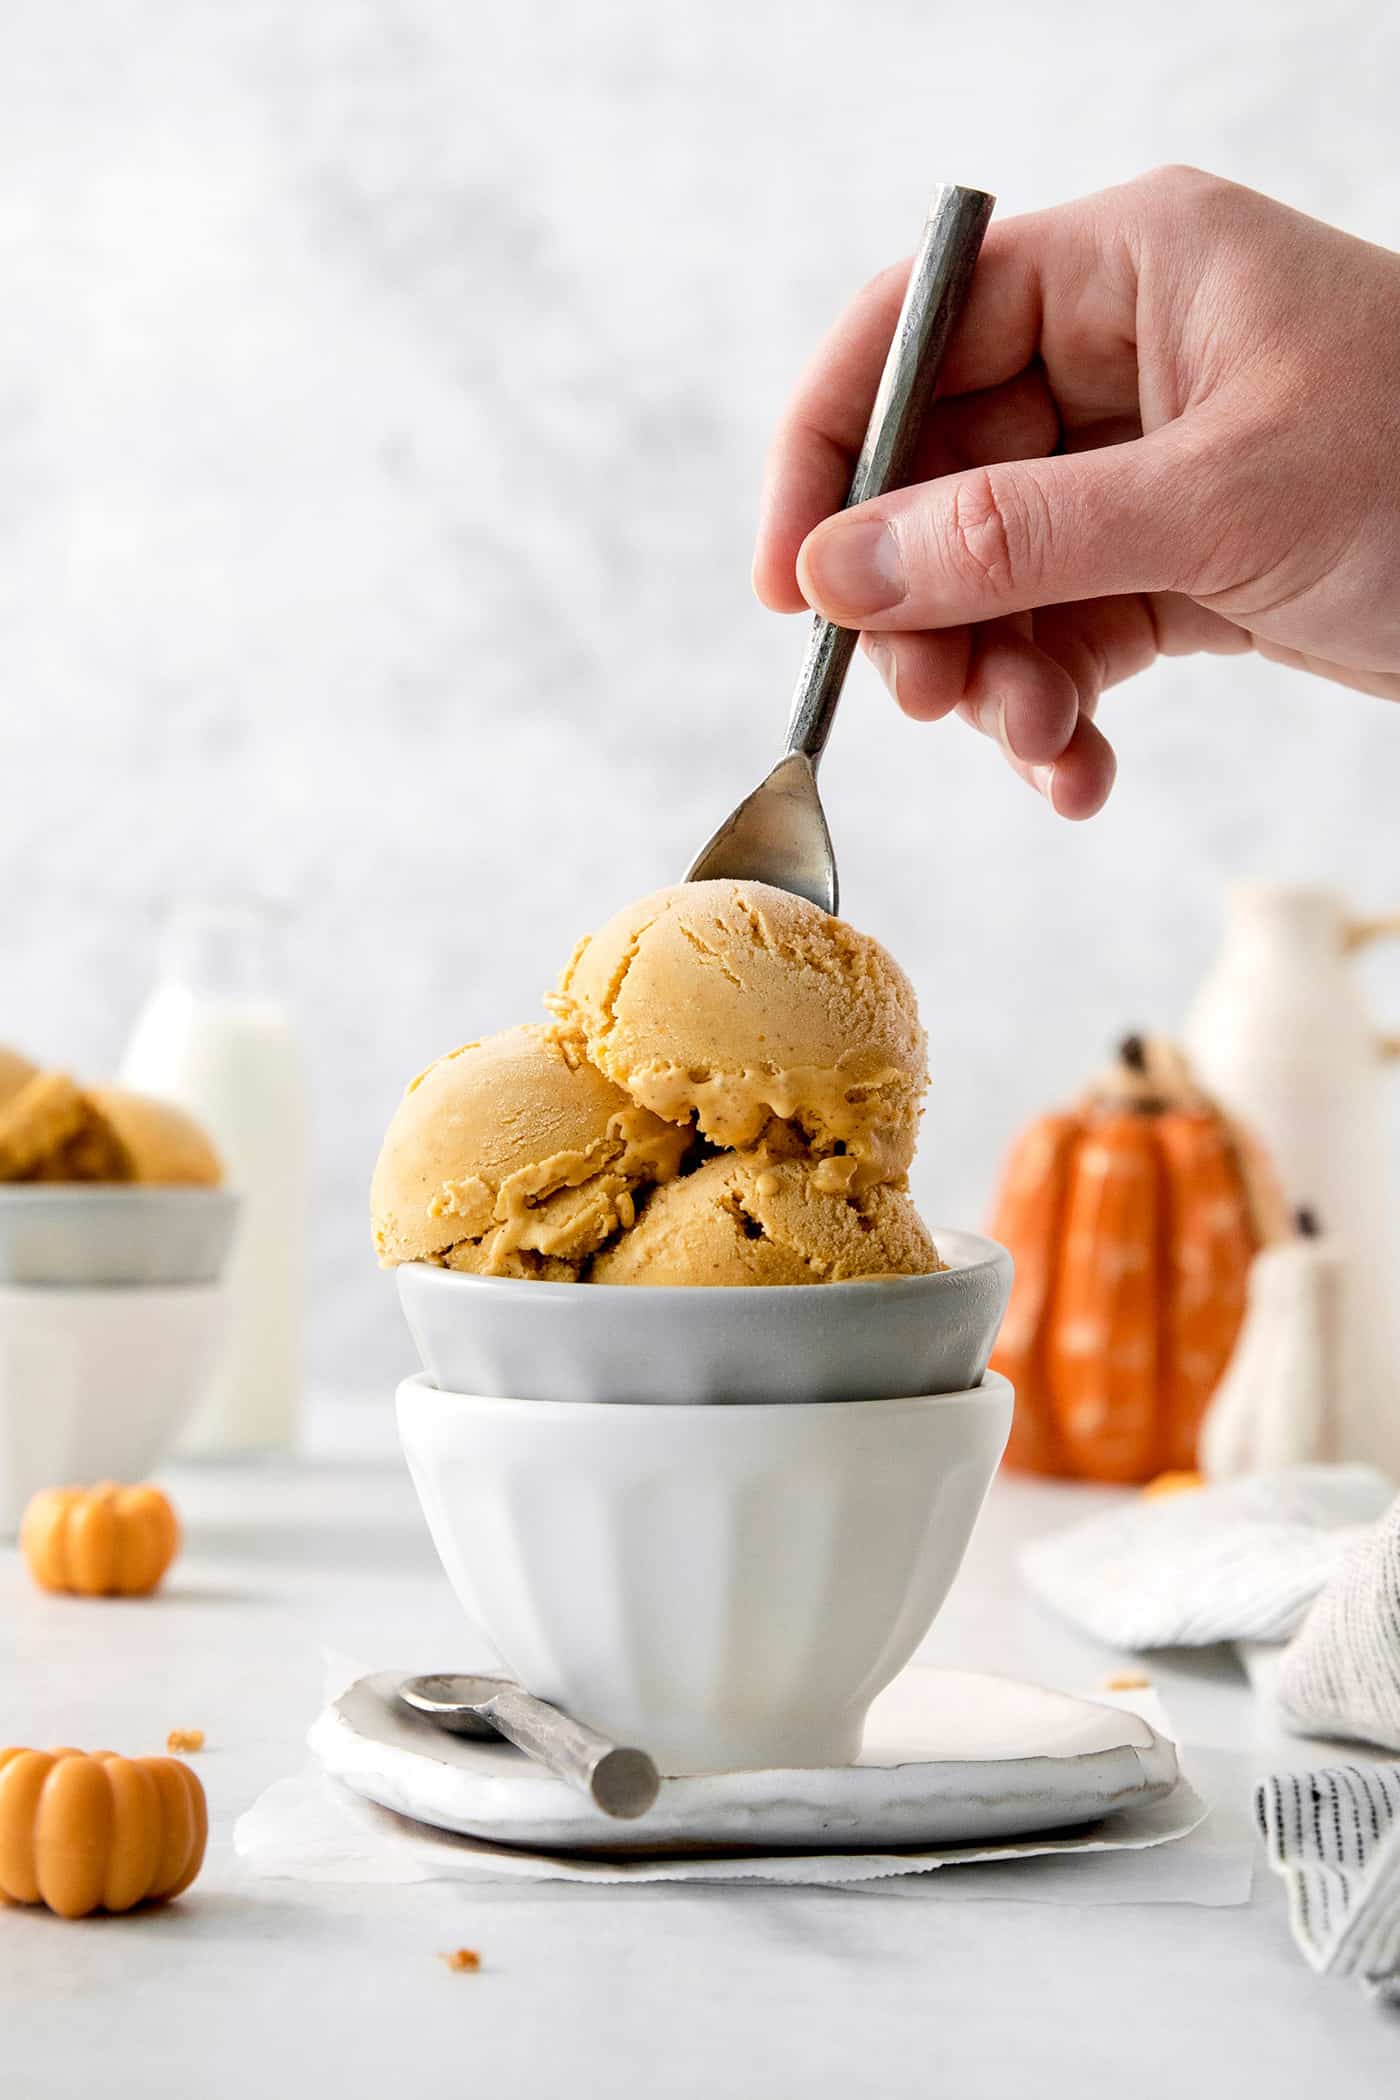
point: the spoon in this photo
(779, 835)
(621, 1782)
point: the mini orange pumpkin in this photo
(82, 1833)
(1133, 1220)
(104, 1541)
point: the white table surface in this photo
(261, 1987)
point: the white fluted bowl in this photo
(98, 1384)
(727, 1587)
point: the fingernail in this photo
(1043, 777)
(887, 664)
(991, 720)
(855, 569)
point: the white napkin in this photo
(1341, 1674)
(310, 1828)
(1237, 1560)
(1334, 1836)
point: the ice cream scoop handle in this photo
(938, 285)
(623, 1782)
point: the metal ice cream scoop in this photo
(779, 834)
(622, 1782)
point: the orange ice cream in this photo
(729, 1094)
(51, 1129)
(761, 1017)
(739, 1221)
(509, 1157)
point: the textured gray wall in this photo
(382, 393)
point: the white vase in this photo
(1279, 1400)
(1279, 1032)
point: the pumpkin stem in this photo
(1132, 1052)
(1307, 1223)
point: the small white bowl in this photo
(790, 1342)
(97, 1385)
(67, 1234)
(727, 1587)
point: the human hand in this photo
(1169, 421)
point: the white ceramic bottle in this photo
(1280, 1032)
(1277, 1403)
(215, 1037)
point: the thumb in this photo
(1006, 539)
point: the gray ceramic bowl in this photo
(58, 1233)
(497, 1335)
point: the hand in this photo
(1169, 420)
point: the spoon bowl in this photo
(778, 835)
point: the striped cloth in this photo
(1334, 1836)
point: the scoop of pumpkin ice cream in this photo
(53, 1130)
(513, 1157)
(763, 1018)
(740, 1220)
(15, 1072)
(163, 1144)
(50, 1130)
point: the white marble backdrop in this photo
(383, 385)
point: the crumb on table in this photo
(1179, 1483)
(462, 1958)
(184, 1739)
(1127, 1681)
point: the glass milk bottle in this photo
(215, 1037)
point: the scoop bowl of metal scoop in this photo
(622, 1782)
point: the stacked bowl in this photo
(111, 1309)
(713, 1522)
(703, 1426)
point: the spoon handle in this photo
(623, 1782)
(938, 283)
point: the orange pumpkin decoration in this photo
(104, 1541)
(82, 1833)
(1133, 1220)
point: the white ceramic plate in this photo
(949, 1758)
